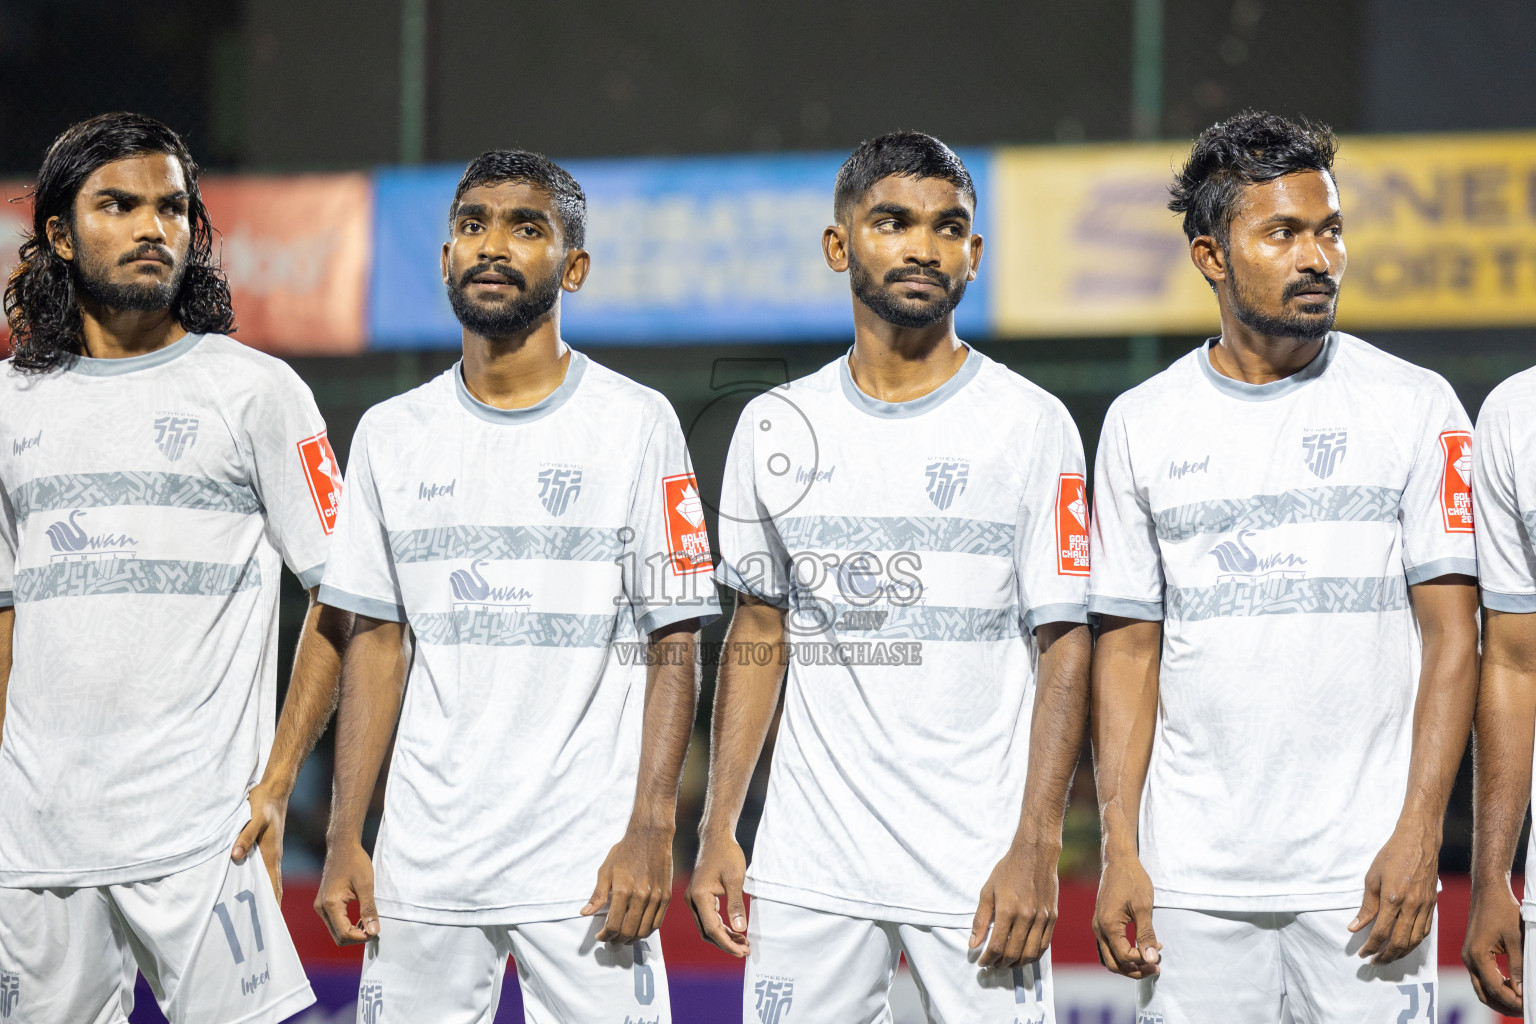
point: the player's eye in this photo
(1281, 234)
(470, 227)
(528, 231)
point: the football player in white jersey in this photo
(1504, 493)
(1283, 563)
(155, 476)
(533, 519)
(907, 528)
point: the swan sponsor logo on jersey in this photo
(470, 587)
(946, 481)
(1071, 525)
(774, 995)
(1322, 449)
(10, 993)
(1456, 481)
(687, 537)
(71, 542)
(559, 487)
(175, 434)
(324, 477)
(1236, 560)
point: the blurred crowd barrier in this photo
(1441, 231)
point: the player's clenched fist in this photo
(348, 876)
(1125, 898)
(721, 871)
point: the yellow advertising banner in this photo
(1440, 231)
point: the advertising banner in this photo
(1440, 232)
(683, 250)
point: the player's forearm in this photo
(7, 624)
(1056, 731)
(372, 679)
(1442, 717)
(671, 699)
(1501, 752)
(1124, 702)
(746, 694)
(313, 691)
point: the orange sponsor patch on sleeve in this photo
(1072, 525)
(324, 477)
(687, 536)
(1456, 481)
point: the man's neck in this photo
(900, 364)
(1246, 355)
(518, 371)
(119, 333)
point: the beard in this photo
(93, 276)
(903, 313)
(508, 316)
(1312, 324)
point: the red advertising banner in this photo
(15, 223)
(296, 250)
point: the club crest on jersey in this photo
(946, 481)
(1323, 450)
(559, 487)
(1456, 481)
(175, 435)
(10, 993)
(370, 1002)
(774, 996)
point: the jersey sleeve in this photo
(7, 550)
(360, 574)
(1436, 509)
(753, 558)
(1506, 562)
(1051, 549)
(666, 561)
(1126, 579)
(296, 474)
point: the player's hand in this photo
(1495, 928)
(1399, 894)
(348, 876)
(1019, 902)
(721, 871)
(1125, 900)
(269, 813)
(636, 882)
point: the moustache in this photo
(1320, 281)
(900, 274)
(148, 251)
(512, 276)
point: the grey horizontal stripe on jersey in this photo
(913, 622)
(556, 543)
(897, 533)
(1344, 504)
(1325, 594)
(93, 577)
(384, 611)
(1492, 600)
(1441, 567)
(103, 490)
(484, 627)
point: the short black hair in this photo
(538, 170)
(1249, 149)
(909, 154)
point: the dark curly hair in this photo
(1248, 149)
(40, 301)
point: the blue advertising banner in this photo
(683, 250)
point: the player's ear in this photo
(1209, 258)
(578, 263)
(60, 238)
(445, 263)
(976, 244)
(834, 246)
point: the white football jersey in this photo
(1504, 492)
(531, 551)
(915, 546)
(147, 506)
(1275, 530)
